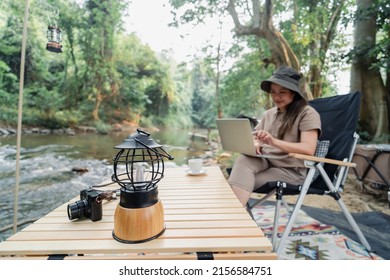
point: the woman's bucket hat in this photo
(286, 77)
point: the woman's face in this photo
(281, 96)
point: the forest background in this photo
(106, 76)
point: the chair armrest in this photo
(320, 159)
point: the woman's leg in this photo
(242, 177)
(242, 195)
(289, 175)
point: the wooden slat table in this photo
(203, 219)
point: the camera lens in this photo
(77, 210)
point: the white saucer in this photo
(201, 172)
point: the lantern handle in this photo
(143, 132)
(139, 142)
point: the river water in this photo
(47, 161)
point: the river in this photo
(46, 163)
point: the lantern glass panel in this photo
(138, 168)
(58, 38)
(54, 34)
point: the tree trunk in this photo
(319, 47)
(366, 78)
(314, 80)
(388, 92)
(95, 111)
(262, 26)
(388, 101)
(282, 54)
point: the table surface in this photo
(202, 218)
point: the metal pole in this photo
(20, 114)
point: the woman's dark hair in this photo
(292, 112)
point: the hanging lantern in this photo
(54, 39)
(138, 167)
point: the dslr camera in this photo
(89, 205)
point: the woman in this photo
(291, 126)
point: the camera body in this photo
(89, 205)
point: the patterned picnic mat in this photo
(310, 239)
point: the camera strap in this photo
(108, 195)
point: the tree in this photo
(313, 31)
(203, 94)
(261, 25)
(215, 59)
(9, 61)
(180, 107)
(365, 73)
(311, 25)
(71, 22)
(104, 20)
(240, 93)
(102, 75)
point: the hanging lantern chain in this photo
(52, 12)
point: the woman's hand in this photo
(258, 147)
(264, 136)
(306, 146)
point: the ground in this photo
(357, 198)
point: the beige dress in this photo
(250, 173)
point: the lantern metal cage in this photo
(54, 39)
(138, 167)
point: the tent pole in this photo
(20, 114)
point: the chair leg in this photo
(354, 225)
(249, 210)
(279, 199)
(249, 206)
(335, 194)
(263, 199)
(286, 204)
(295, 211)
(276, 224)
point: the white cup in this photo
(195, 165)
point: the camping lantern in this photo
(54, 39)
(138, 167)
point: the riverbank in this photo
(6, 131)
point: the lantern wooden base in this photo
(136, 225)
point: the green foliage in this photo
(382, 48)
(9, 63)
(102, 72)
(181, 104)
(45, 108)
(55, 120)
(195, 11)
(241, 92)
(203, 94)
(380, 52)
(8, 86)
(102, 128)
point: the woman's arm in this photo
(306, 146)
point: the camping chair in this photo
(339, 116)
